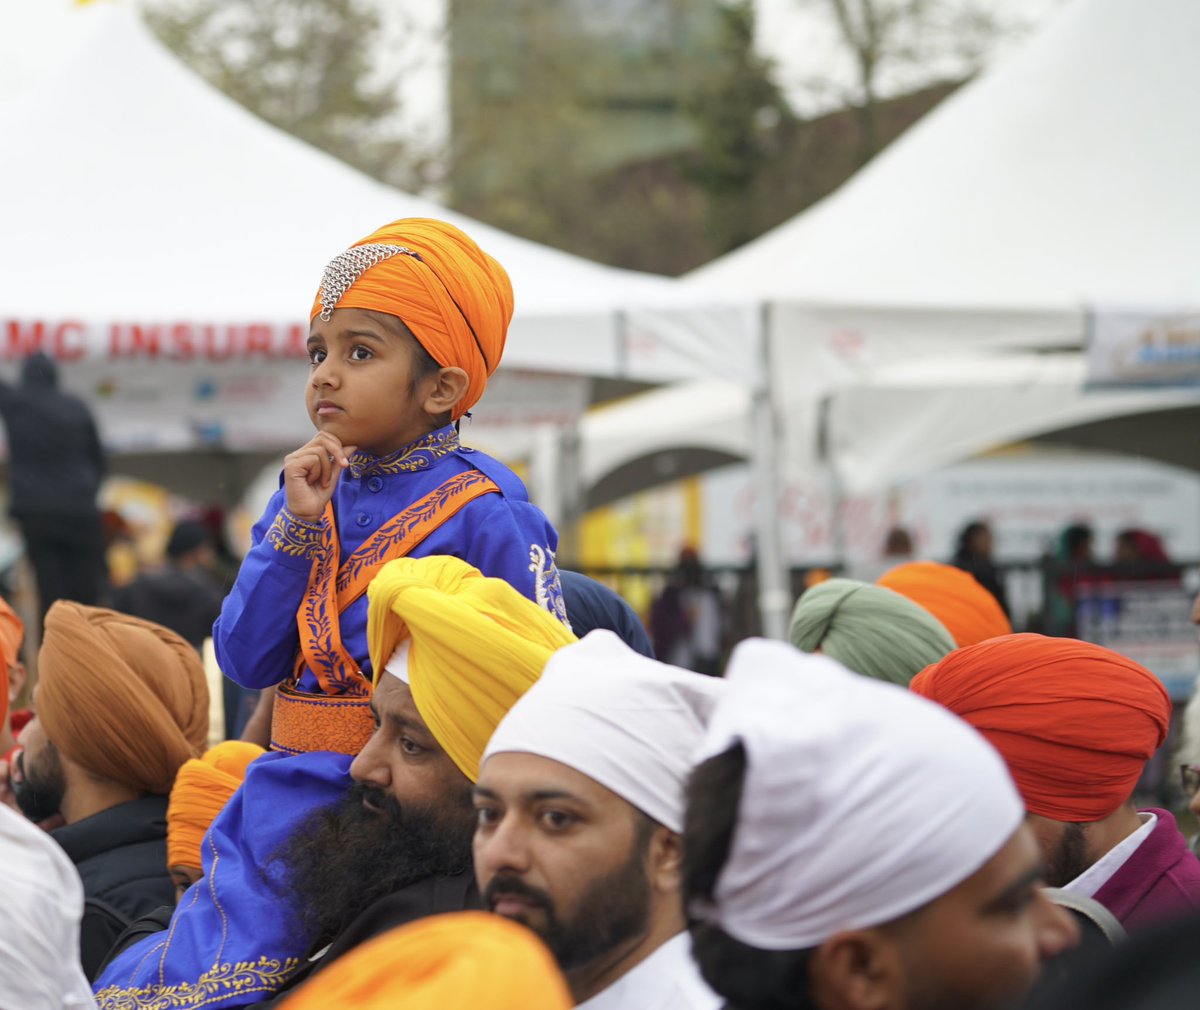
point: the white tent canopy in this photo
(166, 245)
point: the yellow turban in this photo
(202, 788)
(465, 959)
(453, 297)
(123, 697)
(477, 646)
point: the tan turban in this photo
(123, 697)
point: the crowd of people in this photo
(479, 788)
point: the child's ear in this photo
(448, 386)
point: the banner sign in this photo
(1143, 349)
(1149, 622)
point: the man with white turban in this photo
(580, 808)
(850, 846)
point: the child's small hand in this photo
(311, 472)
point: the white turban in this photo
(39, 930)
(862, 802)
(625, 721)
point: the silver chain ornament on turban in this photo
(345, 268)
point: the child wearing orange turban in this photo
(968, 611)
(406, 328)
(1076, 724)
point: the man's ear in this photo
(446, 388)
(665, 857)
(860, 969)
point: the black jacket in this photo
(55, 460)
(121, 856)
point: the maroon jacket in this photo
(1161, 880)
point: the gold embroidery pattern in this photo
(421, 455)
(219, 983)
(297, 537)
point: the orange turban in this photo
(12, 634)
(1076, 722)
(123, 697)
(465, 959)
(968, 611)
(454, 297)
(202, 788)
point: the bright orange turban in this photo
(454, 297)
(123, 697)
(445, 962)
(968, 611)
(202, 788)
(1076, 722)
(477, 646)
(12, 634)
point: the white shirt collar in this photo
(667, 980)
(1103, 869)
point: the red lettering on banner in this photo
(183, 343)
(219, 343)
(67, 349)
(258, 340)
(22, 340)
(297, 342)
(143, 339)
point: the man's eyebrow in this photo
(400, 721)
(1022, 883)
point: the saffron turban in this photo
(968, 611)
(1076, 722)
(468, 647)
(202, 788)
(123, 697)
(454, 298)
(444, 962)
(868, 629)
(628, 722)
(860, 803)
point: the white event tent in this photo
(165, 245)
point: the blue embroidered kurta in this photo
(502, 535)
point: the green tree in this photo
(311, 67)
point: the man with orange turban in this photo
(202, 788)
(966, 609)
(12, 636)
(405, 330)
(290, 889)
(121, 704)
(466, 959)
(1076, 724)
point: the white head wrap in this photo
(39, 930)
(628, 722)
(862, 802)
(397, 666)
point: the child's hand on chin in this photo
(311, 472)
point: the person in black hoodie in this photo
(56, 465)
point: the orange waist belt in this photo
(305, 722)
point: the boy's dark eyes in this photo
(316, 355)
(360, 353)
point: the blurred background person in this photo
(973, 553)
(1069, 569)
(56, 466)
(687, 619)
(1140, 554)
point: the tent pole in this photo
(774, 596)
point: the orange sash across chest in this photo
(332, 589)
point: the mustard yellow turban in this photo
(477, 646)
(202, 788)
(466, 959)
(123, 697)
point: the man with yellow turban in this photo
(202, 788)
(121, 704)
(285, 895)
(405, 330)
(1076, 724)
(467, 959)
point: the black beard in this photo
(345, 858)
(40, 794)
(613, 910)
(1069, 858)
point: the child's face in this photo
(361, 388)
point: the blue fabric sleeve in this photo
(255, 637)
